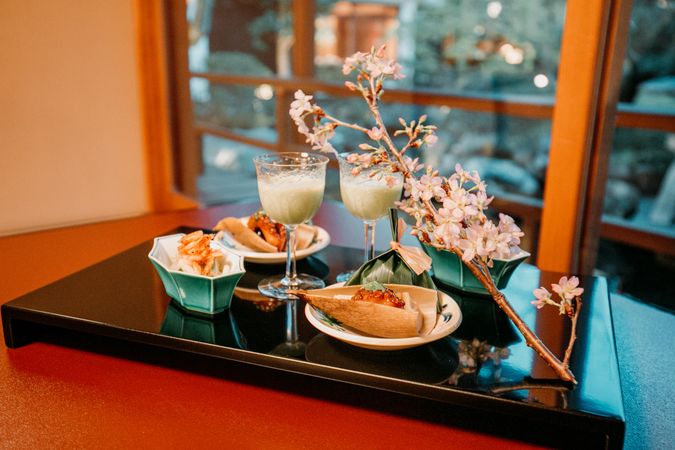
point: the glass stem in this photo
(369, 236)
(291, 273)
(291, 322)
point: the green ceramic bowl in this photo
(199, 293)
(450, 269)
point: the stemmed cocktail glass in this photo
(367, 196)
(291, 188)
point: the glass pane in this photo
(484, 46)
(649, 67)
(639, 189)
(229, 173)
(511, 153)
(640, 194)
(639, 273)
(240, 37)
(245, 110)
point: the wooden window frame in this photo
(575, 224)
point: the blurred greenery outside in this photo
(465, 47)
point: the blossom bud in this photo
(380, 51)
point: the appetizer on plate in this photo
(388, 311)
(261, 234)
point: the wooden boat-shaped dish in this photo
(437, 327)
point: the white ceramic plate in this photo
(321, 242)
(448, 321)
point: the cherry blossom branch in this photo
(531, 339)
(339, 122)
(480, 270)
(458, 224)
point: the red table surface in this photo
(58, 397)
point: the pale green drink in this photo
(291, 201)
(369, 199)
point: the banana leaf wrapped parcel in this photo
(398, 265)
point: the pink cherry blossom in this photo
(447, 230)
(543, 297)
(472, 242)
(508, 227)
(413, 209)
(412, 165)
(481, 201)
(428, 187)
(460, 204)
(353, 62)
(319, 138)
(375, 133)
(300, 105)
(568, 288)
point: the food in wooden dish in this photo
(261, 234)
(388, 311)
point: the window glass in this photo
(242, 109)
(511, 153)
(640, 194)
(641, 179)
(240, 37)
(229, 173)
(640, 190)
(649, 67)
(486, 46)
(642, 274)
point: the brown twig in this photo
(531, 339)
(573, 332)
(339, 122)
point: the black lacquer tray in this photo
(482, 377)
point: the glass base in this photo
(277, 287)
(345, 276)
(290, 349)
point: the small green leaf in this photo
(374, 286)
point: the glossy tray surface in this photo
(484, 367)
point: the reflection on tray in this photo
(256, 272)
(220, 330)
(292, 347)
(482, 320)
(432, 363)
